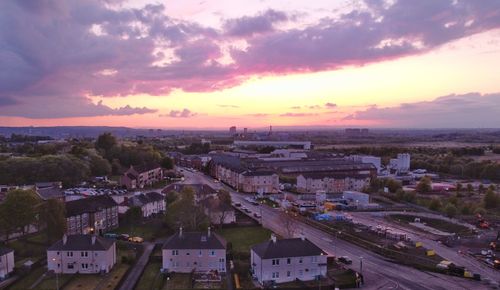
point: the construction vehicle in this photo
(481, 222)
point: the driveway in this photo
(135, 273)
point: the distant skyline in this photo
(218, 63)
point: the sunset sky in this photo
(251, 63)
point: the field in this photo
(438, 224)
(243, 238)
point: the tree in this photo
(183, 212)
(393, 185)
(105, 142)
(133, 216)
(424, 185)
(99, 166)
(288, 223)
(459, 187)
(171, 197)
(481, 188)
(20, 209)
(490, 199)
(450, 210)
(221, 206)
(53, 214)
(480, 211)
(167, 163)
(435, 204)
(470, 189)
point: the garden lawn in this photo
(243, 238)
(151, 278)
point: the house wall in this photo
(185, 261)
(330, 184)
(153, 208)
(83, 262)
(6, 264)
(302, 268)
(104, 220)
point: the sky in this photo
(253, 63)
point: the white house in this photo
(6, 262)
(185, 252)
(151, 203)
(287, 260)
(83, 254)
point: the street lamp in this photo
(57, 274)
(361, 265)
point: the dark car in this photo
(123, 237)
(345, 260)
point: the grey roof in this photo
(146, 167)
(321, 175)
(195, 240)
(287, 248)
(145, 198)
(259, 173)
(228, 161)
(82, 243)
(50, 192)
(89, 204)
(4, 251)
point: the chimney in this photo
(65, 239)
(180, 232)
(302, 236)
(94, 237)
(209, 232)
(273, 238)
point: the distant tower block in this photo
(270, 130)
(245, 131)
(232, 130)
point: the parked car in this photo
(237, 204)
(345, 259)
(111, 235)
(247, 210)
(124, 237)
(257, 215)
(136, 240)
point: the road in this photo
(449, 254)
(378, 272)
(135, 273)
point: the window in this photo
(212, 253)
(288, 273)
(221, 260)
(70, 266)
(200, 254)
(275, 262)
(69, 254)
(314, 259)
(84, 254)
(85, 266)
(187, 253)
(288, 261)
(175, 252)
(301, 273)
(300, 260)
(276, 275)
(58, 253)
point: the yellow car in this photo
(136, 240)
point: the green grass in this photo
(28, 280)
(84, 282)
(151, 278)
(178, 281)
(25, 250)
(244, 238)
(50, 283)
(149, 229)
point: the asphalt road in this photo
(378, 273)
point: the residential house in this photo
(95, 214)
(6, 262)
(141, 176)
(331, 182)
(287, 260)
(259, 182)
(151, 203)
(83, 254)
(185, 252)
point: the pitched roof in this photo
(287, 248)
(50, 192)
(336, 175)
(258, 173)
(146, 167)
(82, 243)
(145, 198)
(195, 240)
(4, 251)
(89, 204)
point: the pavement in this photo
(378, 272)
(135, 273)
